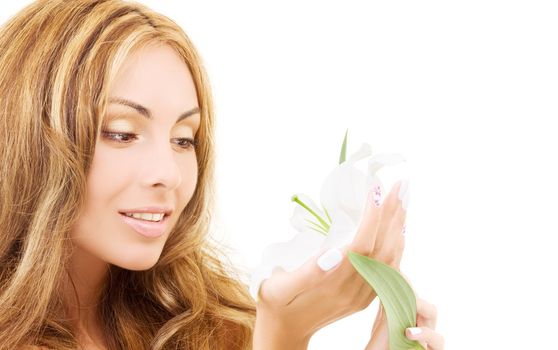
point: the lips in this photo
(145, 228)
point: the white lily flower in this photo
(342, 196)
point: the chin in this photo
(141, 266)
(137, 263)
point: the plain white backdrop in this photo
(466, 91)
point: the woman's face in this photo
(143, 162)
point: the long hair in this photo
(58, 59)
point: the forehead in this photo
(157, 76)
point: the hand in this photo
(296, 304)
(426, 322)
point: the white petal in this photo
(341, 232)
(376, 162)
(289, 255)
(345, 189)
(364, 151)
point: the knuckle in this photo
(363, 305)
(360, 249)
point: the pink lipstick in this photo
(146, 228)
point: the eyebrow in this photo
(146, 112)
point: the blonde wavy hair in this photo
(58, 59)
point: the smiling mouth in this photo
(131, 215)
(147, 228)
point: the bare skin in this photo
(294, 305)
(153, 170)
(88, 276)
(426, 321)
(138, 162)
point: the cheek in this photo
(189, 170)
(107, 177)
(99, 230)
(112, 182)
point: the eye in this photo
(187, 143)
(122, 137)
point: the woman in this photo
(107, 153)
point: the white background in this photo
(466, 91)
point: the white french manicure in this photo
(415, 330)
(403, 189)
(330, 259)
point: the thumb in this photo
(284, 286)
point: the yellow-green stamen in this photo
(316, 227)
(324, 224)
(328, 217)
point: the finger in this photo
(363, 243)
(412, 288)
(425, 335)
(399, 252)
(390, 249)
(283, 286)
(379, 339)
(364, 295)
(388, 213)
(427, 314)
(380, 318)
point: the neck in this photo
(82, 292)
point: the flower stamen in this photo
(328, 217)
(317, 227)
(324, 225)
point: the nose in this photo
(161, 168)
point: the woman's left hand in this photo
(292, 306)
(426, 323)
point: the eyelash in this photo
(190, 143)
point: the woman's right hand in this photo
(426, 323)
(294, 305)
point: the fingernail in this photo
(403, 189)
(415, 330)
(377, 195)
(374, 196)
(370, 198)
(330, 259)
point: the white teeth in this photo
(146, 216)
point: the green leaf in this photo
(396, 295)
(343, 154)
